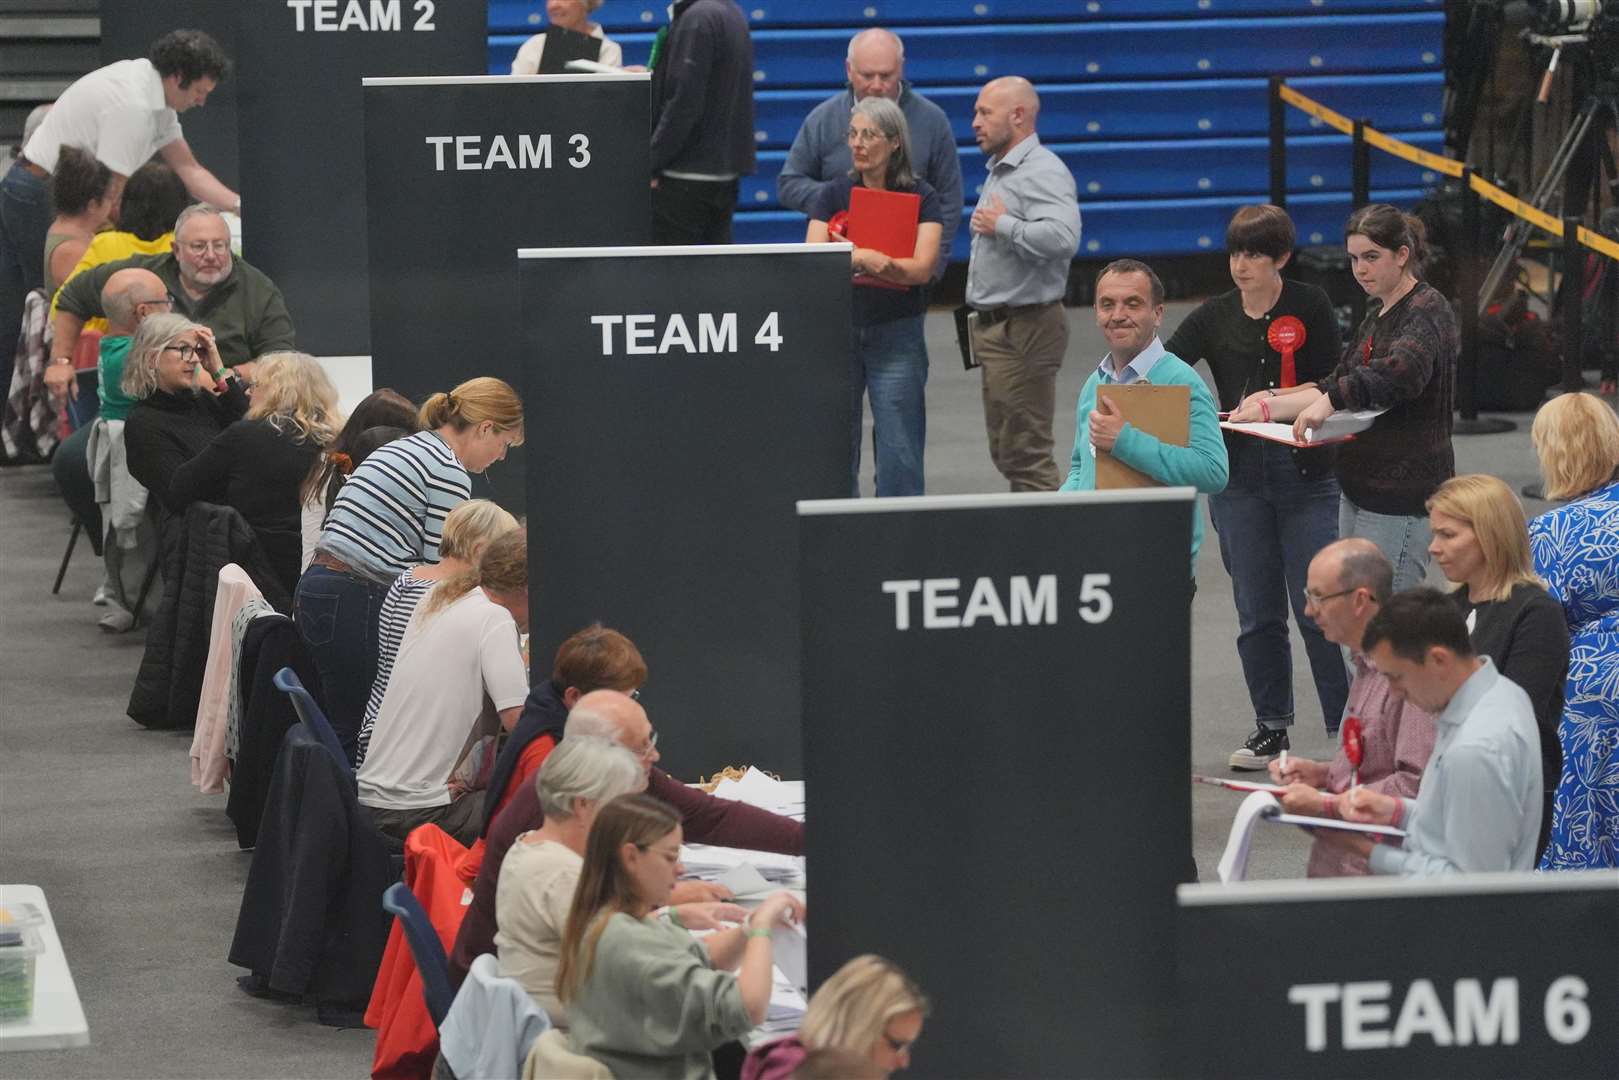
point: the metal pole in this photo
(1278, 144)
(1360, 165)
(1469, 303)
(1573, 295)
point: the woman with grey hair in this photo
(888, 354)
(537, 879)
(568, 15)
(184, 396)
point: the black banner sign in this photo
(1480, 975)
(460, 173)
(302, 149)
(996, 736)
(679, 401)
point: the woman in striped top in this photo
(389, 517)
(467, 531)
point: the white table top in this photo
(58, 1019)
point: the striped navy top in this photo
(404, 595)
(389, 516)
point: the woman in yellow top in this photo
(152, 199)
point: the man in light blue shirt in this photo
(820, 154)
(1479, 805)
(1129, 310)
(1025, 232)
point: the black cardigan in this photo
(1526, 636)
(164, 431)
(256, 468)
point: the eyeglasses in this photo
(651, 745)
(1312, 598)
(167, 300)
(203, 247)
(865, 138)
(635, 695)
(187, 350)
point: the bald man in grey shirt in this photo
(1025, 232)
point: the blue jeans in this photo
(1403, 539)
(1271, 522)
(890, 361)
(337, 615)
(25, 217)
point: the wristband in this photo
(752, 933)
(58, 361)
(674, 917)
(1264, 409)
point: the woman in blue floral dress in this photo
(1576, 552)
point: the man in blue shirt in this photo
(1129, 310)
(1479, 805)
(820, 154)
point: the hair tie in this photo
(342, 462)
(449, 401)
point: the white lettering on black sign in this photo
(372, 16)
(1025, 601)
(474, 152)
(641, 335)
(1476, 1017)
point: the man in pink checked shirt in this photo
(1347, 583)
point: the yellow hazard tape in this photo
(1450, 167)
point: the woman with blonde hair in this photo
(467, 532)
(388, 517)
(258, 463)
(644, 997)
(457, 680)
(870, 1008)
(1576, 437)
(1481, 543)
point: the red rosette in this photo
(1286, 335)
(839, 227)
(1352, 735)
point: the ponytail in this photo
(472, 403)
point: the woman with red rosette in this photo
(1261, 339)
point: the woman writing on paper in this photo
(888, 355)
(1403, 362)
(1280, 506)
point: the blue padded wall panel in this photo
(1193, 109)
(510, 16)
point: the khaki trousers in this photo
(1021, 356)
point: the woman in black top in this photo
(184, 396)
(258, 464)
(888, 354)
(1481, 542)
(1280, 505)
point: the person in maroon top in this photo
(705, 820)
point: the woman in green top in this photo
(645, 997)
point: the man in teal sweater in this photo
(1129, 309)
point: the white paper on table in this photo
(704, 860)
(1233, 864)
(745, 882)
(791, 947)
(1335, 428)
(756, 789)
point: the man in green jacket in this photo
(243, 308)
(1129, 310)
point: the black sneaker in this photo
(1261, 749)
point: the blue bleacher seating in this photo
(1158, 106)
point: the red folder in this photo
(884, 221)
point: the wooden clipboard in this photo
(1164, 412)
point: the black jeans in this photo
(692, 211)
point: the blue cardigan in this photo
(1201, 465)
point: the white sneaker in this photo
(118, 620)
(102, 597)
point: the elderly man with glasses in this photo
(1348, 583)
(242, 306)
(611, 714)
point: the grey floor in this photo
(143, 873)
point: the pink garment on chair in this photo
(208, 766)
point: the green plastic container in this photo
(19, 952)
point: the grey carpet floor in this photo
(143, 874)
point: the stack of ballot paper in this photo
(746, 873)
(785, 797)
(1339, 427)
(1262, 806)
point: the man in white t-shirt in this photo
(459, 669)
(123, 113)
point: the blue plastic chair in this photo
(425, 947)
(287, 681)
